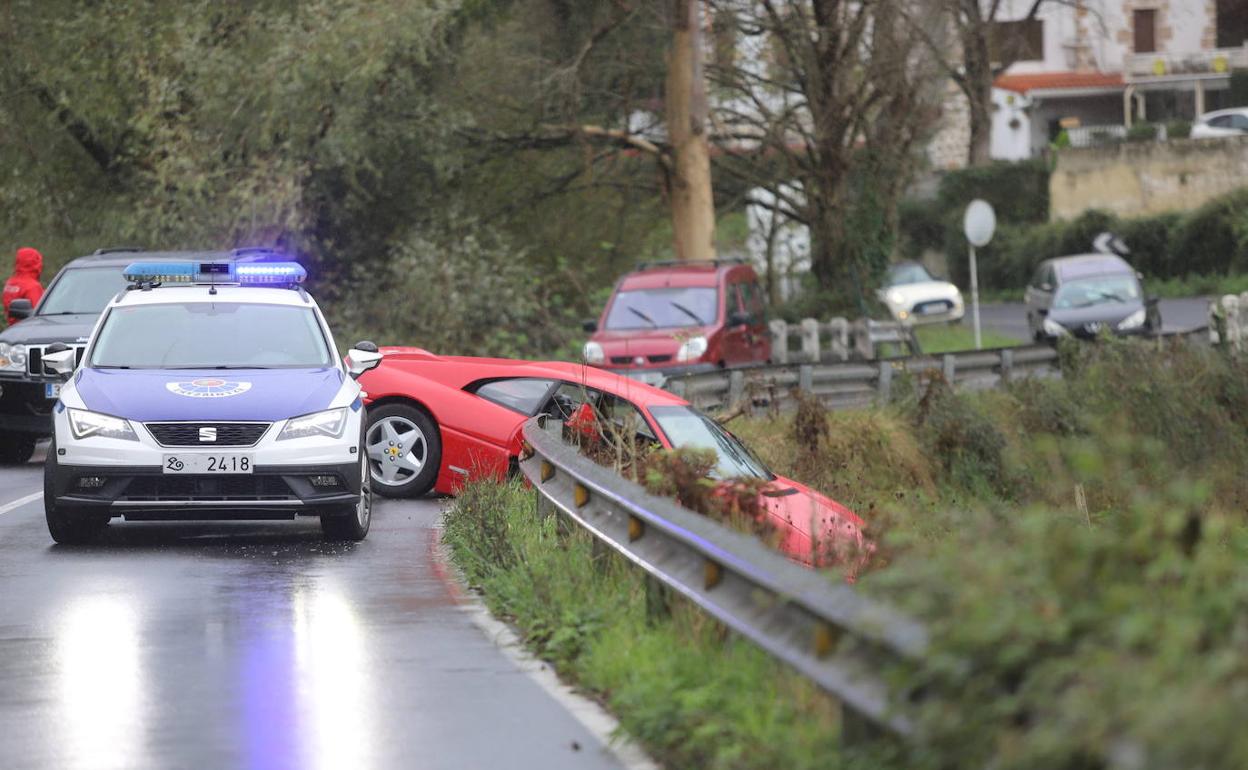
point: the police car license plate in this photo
(207, 464)
(52, 389)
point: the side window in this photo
(520, 394)
(625, 418)
(734, 304)
(568, 398)
(1239, 122)
(585, 408)
(1038, 279)
(752, 299)
(1221, 121)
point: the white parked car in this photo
(1232, 122)
(914, 296)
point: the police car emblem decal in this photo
(208, 388)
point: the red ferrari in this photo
(435, 422)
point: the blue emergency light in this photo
(246, 274)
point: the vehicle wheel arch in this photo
(412, 402)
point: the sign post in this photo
(978, 224)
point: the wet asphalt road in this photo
(256, 646)
(1010, 318)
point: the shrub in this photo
(1142, 132)
(1178, 129)
(1208, 240)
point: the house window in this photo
(1144, 23)
(1011, 41)
(1232, 23)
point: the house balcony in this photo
(1163, 66)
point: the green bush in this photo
(1178, 129)
(1018, 191)
(1142, 132)
(1210, 239)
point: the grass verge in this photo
(952, 338)
(692, 694)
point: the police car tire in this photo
(16, 449)
(422, 482)
(343, 523)
(66, 524)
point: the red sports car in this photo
(434, 422)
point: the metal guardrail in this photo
(850, 385)
(825, 630)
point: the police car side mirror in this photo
(21, 308)
(60, 358)
(361, 358)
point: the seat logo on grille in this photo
(210, 387)
(207, 434)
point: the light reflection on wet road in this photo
(256, 646)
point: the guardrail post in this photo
(885, 381)
(736, 387)
(949, 367)
(810, 340)
(779, 341)
(658, 599)
(806, 378)
(1007, 366)
(838, 336)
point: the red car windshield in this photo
(665, 308)
(687, 427)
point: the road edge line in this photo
(599, 722)
(18, 503)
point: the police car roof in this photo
(123, 258)
(188, 293)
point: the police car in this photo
(209, 390)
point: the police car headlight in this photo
(692, 349)
(330, 423)
(84, 424)
(12, 356)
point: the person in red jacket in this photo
(24, 283)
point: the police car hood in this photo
(149, 395)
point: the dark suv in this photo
(66, 314)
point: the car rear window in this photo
(520, 394)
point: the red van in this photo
(670, 317)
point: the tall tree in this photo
(824, 110)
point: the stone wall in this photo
(1138, 178)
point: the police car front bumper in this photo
(310, 475)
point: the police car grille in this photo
(189, 433)
(170, 489)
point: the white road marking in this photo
(593, 717)
(18, 503)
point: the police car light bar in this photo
(251, 274)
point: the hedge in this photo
(1211, 240)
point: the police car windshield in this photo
(83, 290)
(216, 335)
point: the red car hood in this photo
(799, 511)
(644, 342)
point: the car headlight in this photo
(593, 353)
(692, 349)
(896, 297)
(1133, 321)
(12, 356)
(84, 424)
(1054, 329)
(330, 422)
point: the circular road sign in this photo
(979, 223)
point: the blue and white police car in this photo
(209, 390)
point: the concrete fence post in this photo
(810, 340)
(949, 366)
(779, 340)
(806, 378)
(838, 339)
(885, 381)
(736, 387)
(1007, 366)
(1230, 304)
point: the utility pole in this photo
(689, 180)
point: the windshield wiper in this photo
(70, 312)
(688, 312)
(215, 367)
(642, 316)
(1110, 295)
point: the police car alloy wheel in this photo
(209, 390)
(404, 450)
